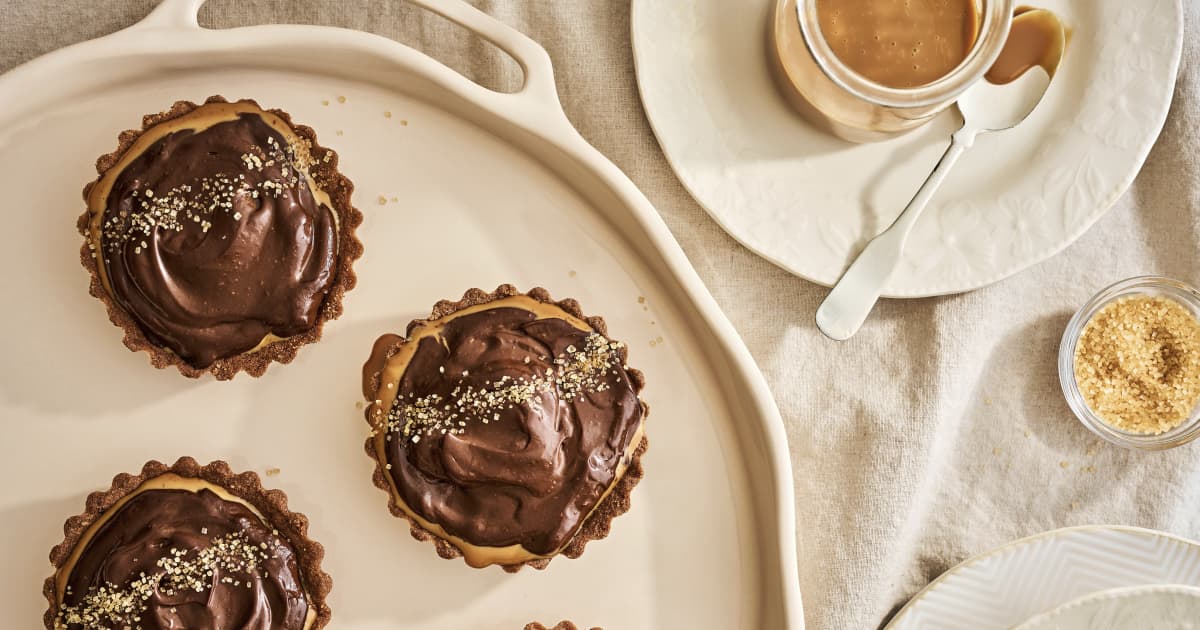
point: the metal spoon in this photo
(985, 107)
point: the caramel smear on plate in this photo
(1037, 39)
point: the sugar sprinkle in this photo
(112, 606)
(204, 197)
(576, 372)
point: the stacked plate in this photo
(1080, 578)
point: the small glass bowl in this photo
(1140, 285)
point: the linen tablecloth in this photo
(939, 431)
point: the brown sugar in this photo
(1137, 364)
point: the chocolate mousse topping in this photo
(215, 237)
(510, 422)
(171, 558)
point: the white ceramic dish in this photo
(809, 202)
(1008, 585)
(492, 188)
(1156, 607)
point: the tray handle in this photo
(534, 60)
(172, 14)
(538, 71)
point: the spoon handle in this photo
(852, 298)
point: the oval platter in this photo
(461, 187)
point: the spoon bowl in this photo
(989, 107)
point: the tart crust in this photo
(273, 350)
(616, 502)
(562, 625)
(247, 486)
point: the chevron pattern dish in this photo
(1007, 586)
(1170, 607)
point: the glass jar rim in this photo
(993, 32)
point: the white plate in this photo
(809, 202)
(492, 188)
(1158, 607)
(1006, 586)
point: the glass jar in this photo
(842, 102)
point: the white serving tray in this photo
(491, 188)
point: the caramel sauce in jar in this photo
(869, 70)
(899, 43)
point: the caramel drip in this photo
(1037, 39)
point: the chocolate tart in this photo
(220, 237)
(187, 546)
(562, 625)
(506, 428)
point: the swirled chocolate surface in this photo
(508, 428)
(173, 559)
(213, 239)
